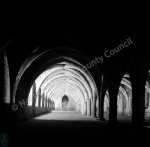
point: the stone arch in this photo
(59, 80)
(125, 96)
(31, 65)
(65, 101)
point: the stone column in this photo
(5, 93)
(39, 97)
(148, 109)
(93, 113)
(46, 101)
(112, 106)
(128, 108)
(99, 107)
(85, 108)
(6, 97)
(43, 100)
(113, 78)
(34, 94)
(88, 107)
(102, 91)
(77, 106)
(82, 108)
(138, 105)
(53, 105)
(48, 104)
(130, 104)
(102, 97)
(120, 105)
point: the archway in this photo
(61, 79)
(65, 101)
(124, 99)
(46, 84)
(106, 105)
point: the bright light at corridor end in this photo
(64, 85)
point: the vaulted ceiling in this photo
(65, 79)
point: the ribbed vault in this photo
(64, 78)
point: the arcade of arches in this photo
(43, 53)
(62, 84)
(66, 87)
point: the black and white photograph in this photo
(74, 75)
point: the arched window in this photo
(65, 101)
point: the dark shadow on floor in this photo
(74, 132)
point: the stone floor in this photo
(71, 129)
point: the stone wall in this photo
(29, 112)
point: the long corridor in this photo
(69, 128)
